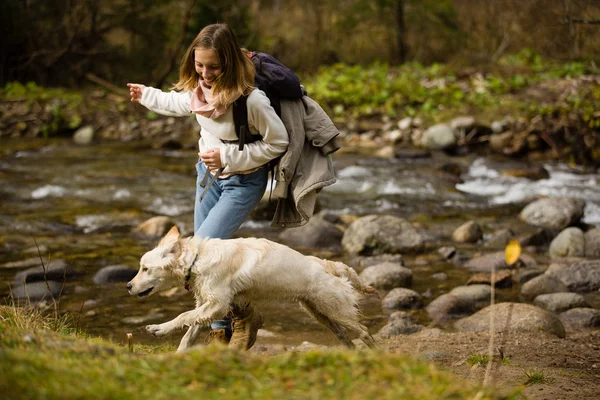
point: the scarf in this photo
(203, 103)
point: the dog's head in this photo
(156, 267)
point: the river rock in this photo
(400, 323)
(496, 261)
(142, 319)
(364, 262)
(464, 123)
(402, 299)
(542, 284)
(56, 270)
(499, 141)
(592, 243)
(469, 232)
(438, 137)
(581, 276)
(553, 213)
(502, 279)
(569, 243)
(461, 300)
(317, 233)
(84, 135)
(499, 240)
(155, 227)
(525, 275)
(386, 276)
(32, 262)
(380, 234)
(532, 173)
(35, 291)
(539, 237)
(559, 302)
(114, 274)
(577, 318)
(513, 317)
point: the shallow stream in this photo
(80, 204)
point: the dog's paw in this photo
(158, 330)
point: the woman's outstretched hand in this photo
(211, 158)
(136, 90)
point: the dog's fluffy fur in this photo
(241, 270)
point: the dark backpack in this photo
(277, 81)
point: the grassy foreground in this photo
(41, 358)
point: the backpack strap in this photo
(240, 120)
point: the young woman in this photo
(215, 72)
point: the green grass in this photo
(535, 377)
(482, 359)
(39, 361)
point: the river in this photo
(80, 204)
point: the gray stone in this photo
(569, 243)
(542, 284)
(447, 252)
(56, 270)
(553, 213)
(386, 276)
(499, 240)
(581, 276)
(400, 323)
(380, 234)
(402, 299)
(84, 135)
(142, 319)
(469, 232)
(592, 243)
(513, 317)
(495, 261)
(461, 300)
(559, 302)
(33, 262)
(114, 274)
(578, 318)
(155, 227)
(440, 276)
(35, 291)
(317, 233)
(464, 123)
(499, 141)
(438, 137)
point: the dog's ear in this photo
(170, 237)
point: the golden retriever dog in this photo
(236, 271)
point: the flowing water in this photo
(80, 204)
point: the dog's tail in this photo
(341, 270)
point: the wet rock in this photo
(402, 299)
(499, 141)
(525, 275)
(461, 300)
(155, 227)
(539, 237)
(386, 276)
(499, 240)
(84, 135)
(542, 284)
(532, 173)
(559, 302)
(440, 276)
(502, 279)
(36, 291)
(581, 276)
(114, 274)
(317, 233)
(380, 234)
(34, 262)
(578, 318)
(497, 261)
(513, 317)
(411, 153)
(553, 213)
(400, 323)
(464, 123)
(569, 243)
(592, 243)
(469, 232)
(57, 270)
(361, 263)
(447, 252)
(438, 137)
(142, 319)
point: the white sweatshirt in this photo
(262, 120)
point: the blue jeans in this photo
(227, 203)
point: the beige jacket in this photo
(306, 167)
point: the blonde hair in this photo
(237, 76)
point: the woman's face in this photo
(207, 65)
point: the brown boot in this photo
(246, 322)
(216, 336)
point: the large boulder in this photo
(542, 284)
(460, 301)
(438, 137)
(379, 234)
(35, 291)
(559, 302)
(569, 243)
(581, 276)
(577, 318)
(592, 243)
(553, 213)
(513, 317)
(56, 270)
(317, 233)
(386, 276)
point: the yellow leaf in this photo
(512, 252)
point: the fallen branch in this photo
(107, 85)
